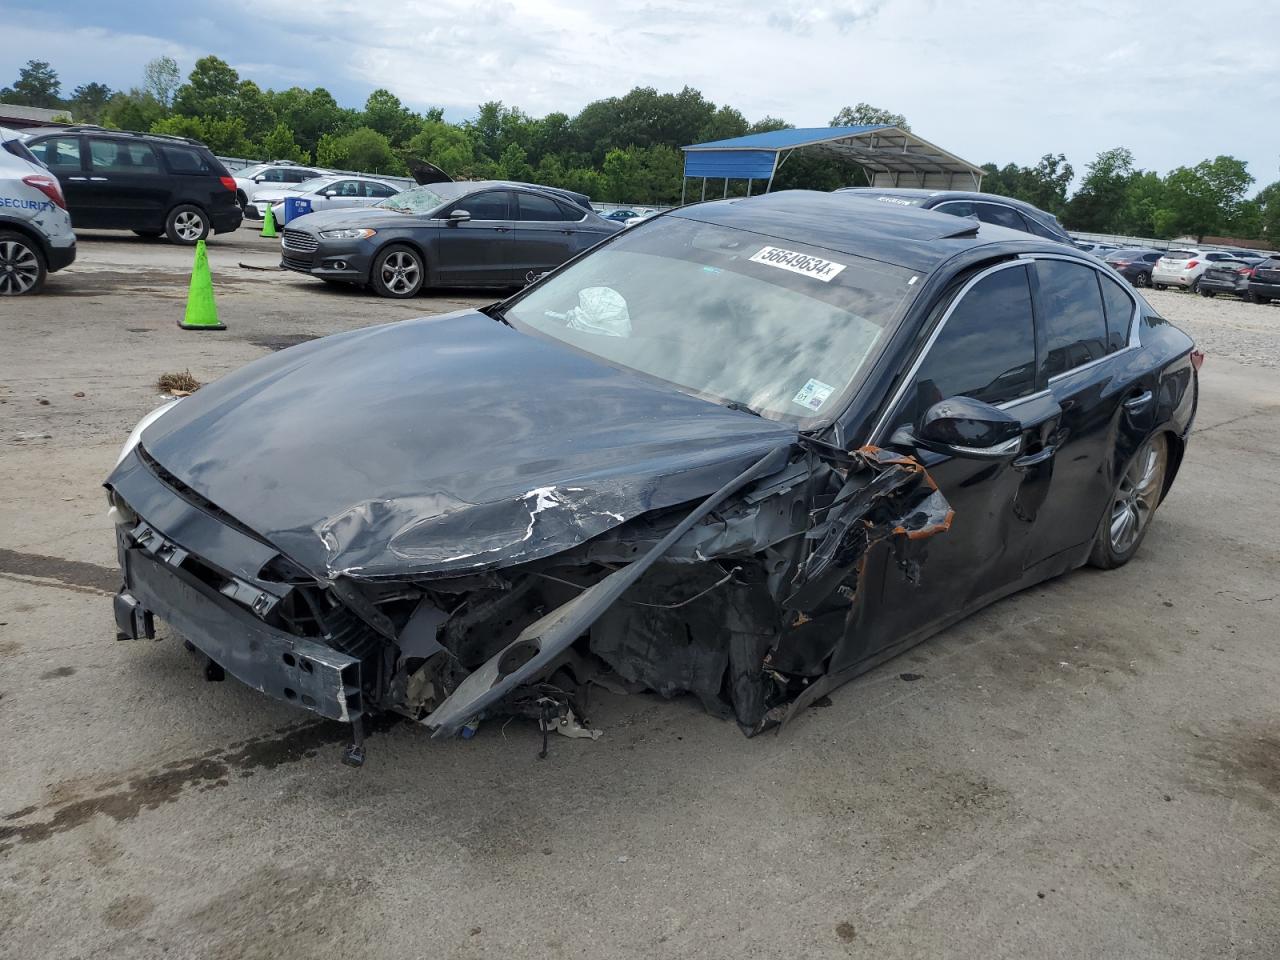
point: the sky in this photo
(989, 80)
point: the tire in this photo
(22, 266)
(1207, 293)
(1142, 280)
(398, 272)
(1195, 286)
(186, 225)
(242, 199)
(1132, 505)
(1159, 286)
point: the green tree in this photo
(1044, 185)
(210, 91)
(255, 109)
(384, 113)
(1204, 199)
(362, 149)
(1144, 208)
(37, 86)
(135, 110)
(449, 147)
(767, 124)
(89, 101)
(310, 114)
(864, 113)
(1269, 214)
(1098, 204)
(279, 144)
(222, 136)
(724, 124)
(161, 79)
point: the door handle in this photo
(501, 229)
(1135, 404)
(81, 179)
(569, 231)
(99, 179)
(1043, 455)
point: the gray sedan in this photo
(482, 234)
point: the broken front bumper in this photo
(289, 668)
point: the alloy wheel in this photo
(1137, 496)
(400, 272)
(188, 225)
(19, 268)
(1142, 280)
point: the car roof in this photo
(909, 237)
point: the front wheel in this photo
(186, 225)
(398, 272)
(1208, 293)
(22, 266)
(1160, 286)
(1132, 505)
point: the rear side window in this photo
(986, 350)
(535, 208)
(19, 149)
(957, 208)
(1034, 226)
(59, 154)
(343, 188)
(487, 206)
(1001, 216)
(185, 160)
(122, 156)
(1075, 326)
(1218, 256)
(569, 212)
(292, 175)
(1119, 308)
(377, 190)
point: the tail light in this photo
(48, 186)
(229, 183)
(1246, 272)
(1197, 358)
(1191, 264)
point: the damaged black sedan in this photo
(744, 451)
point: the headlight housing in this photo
(350, 233)
(135, 435)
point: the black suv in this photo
(987, 207)
(148, 183)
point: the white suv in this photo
(35, 229)
(1182, 268)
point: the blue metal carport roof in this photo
(891, 155)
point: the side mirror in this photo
(963, 427)
(458, 216)
(331, 194)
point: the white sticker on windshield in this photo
(801, 263)
(813, 395)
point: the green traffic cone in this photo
(202, 311)
(269, 223)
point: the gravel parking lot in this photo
(1087, 769)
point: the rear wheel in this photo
(1254, 298)
(186, 225)
(1207, 293)
(1142, 280)
(1195, 286)
(1132, 505)
(398, 272)
(22, 266)
(1159, 286)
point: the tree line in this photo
(623, 149)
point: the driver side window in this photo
(986, 349)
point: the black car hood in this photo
(445, 445)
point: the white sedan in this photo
(325, 193)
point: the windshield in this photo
(778, 326)
(416, 200)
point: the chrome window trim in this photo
(907, 381)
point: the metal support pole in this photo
(704, 188)
(726, 187)
(748, 186)
(684, 182)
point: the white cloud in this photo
(1001, 80)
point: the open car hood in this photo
(445, 445)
